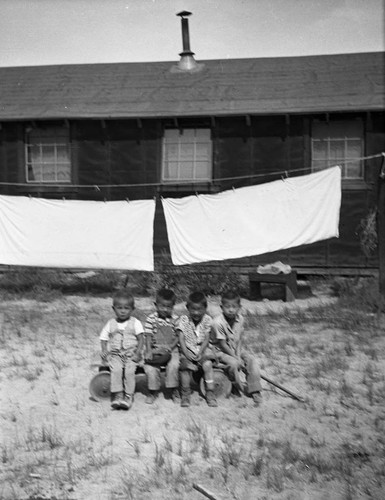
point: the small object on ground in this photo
(35, 476)
(292, 394)
(205, 492)
(210, 398)
(257, 398)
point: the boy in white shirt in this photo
(121, 344)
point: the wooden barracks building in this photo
(139, 130)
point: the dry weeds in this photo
(58, 443)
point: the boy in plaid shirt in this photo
(161, 342)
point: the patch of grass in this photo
(274, 478)
(230, 452)
(51, 436)
(287, 450)
(7, 454)
(32, 373)
(255, 464)
(159, 458)
(136, 446)
(359, 294)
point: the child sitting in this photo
(194, 335)
(227, 332)
(161, 346)
(121, 344)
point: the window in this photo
(338, 143)
(187, 155)
(47, 153)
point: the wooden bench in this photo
(289, 280)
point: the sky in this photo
(42, 32)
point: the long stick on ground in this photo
(205, 492)
(292, 394)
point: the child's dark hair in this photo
(166, 294)
(197, 298)
(231, 295)
(125, 294)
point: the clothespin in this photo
(127, 200)
(97, 188)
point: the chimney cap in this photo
(184, 13)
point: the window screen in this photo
(187, 155)
(338, 143)
(48, 155)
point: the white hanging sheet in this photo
(76, 234)
(254, 220)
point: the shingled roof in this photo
(326, 83)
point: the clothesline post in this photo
(381, 227)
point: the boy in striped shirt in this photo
(194, 335)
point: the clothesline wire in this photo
(265, 173)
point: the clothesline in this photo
(265, 173)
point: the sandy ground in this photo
(57, 442)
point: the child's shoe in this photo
(210, 398)
(257, 398)
(150, 399)
(116, 399)
(175, 396)
(126, 402)
(185, 401)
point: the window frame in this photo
(178, 181)
(56, 136)
(333, 137)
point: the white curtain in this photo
(254, 220)
(76, 234)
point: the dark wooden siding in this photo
(129, 152)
